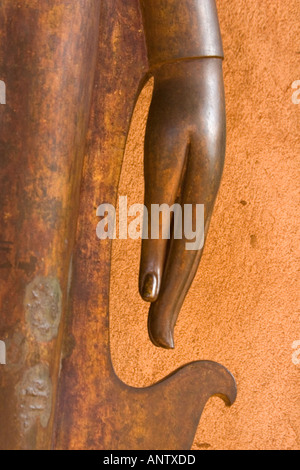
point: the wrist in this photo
(187, 71)
(180, 30)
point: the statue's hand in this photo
(184, 155)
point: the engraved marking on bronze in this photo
(35, 395)
(5, 248)
(28, 267)
(6, 265)
(43, 307)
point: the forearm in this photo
(181, 29)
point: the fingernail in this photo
(149, 291)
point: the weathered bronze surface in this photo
(46, 49)
(58, 389)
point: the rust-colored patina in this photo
(58, 389)
(46, 49)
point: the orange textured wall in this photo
(242, 308)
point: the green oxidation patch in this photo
(43, 307)
(35, 397)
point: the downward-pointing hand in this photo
(184, 156)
